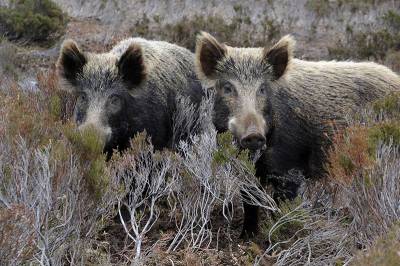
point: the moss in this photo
(41, 21)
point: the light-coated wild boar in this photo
(129, 89)
(284, 106)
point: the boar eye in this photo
(114, 103)
(262, 91)
(82, 98)
(227, 88)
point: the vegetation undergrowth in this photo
(59, 197)
(40, 21)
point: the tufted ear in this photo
(131, 66)
(280, 55)
(208, 53)
(71, 61)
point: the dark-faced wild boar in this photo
(284, 106)
(129, 89)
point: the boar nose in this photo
(253, 141)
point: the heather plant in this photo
(60, 191)
(355, 207)
(44, 184)
(62, 202)
(205, 173)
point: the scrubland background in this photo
(58, 196)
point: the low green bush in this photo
(41, 21)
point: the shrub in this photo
(365, 161)
(184, 32)
(384, 252)
(354, 149)
(58, 193)
(377, 44)
(50, 209)
(17, 238)
(35, 20)
(354, 206)
(349, 156)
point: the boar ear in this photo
(208, 53)
(279, 55)
(131, 66)
(70, 62)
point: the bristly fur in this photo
(280, 55)
(131, 66)
(144, 77)
(70, 63)
(209, 53)
(301, 103)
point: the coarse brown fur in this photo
(293, 104)
(131, 88)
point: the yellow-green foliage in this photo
(288, 229)
(88, 144)
(346, 163)
(388, 130)
(354, 149)
(55, 106)
(87, 140)
(36, 20)
(227, 150)
(37, 118)
(390, 105)
(384, 252)
(384, 132)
